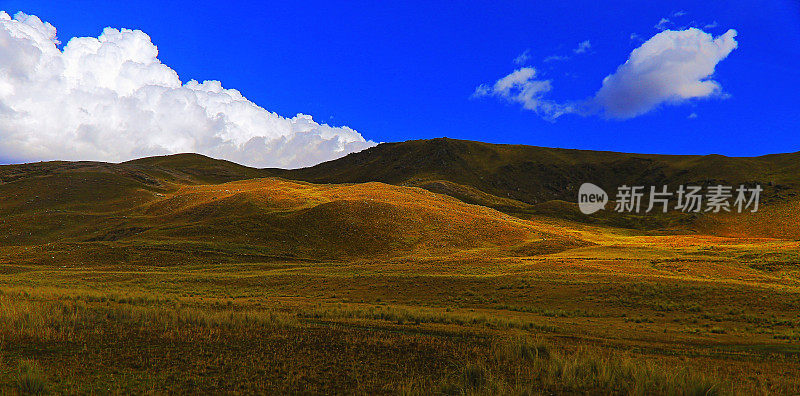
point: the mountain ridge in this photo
(534, 174)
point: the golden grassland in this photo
(603, 319)
(273, 286)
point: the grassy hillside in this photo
(154, 211)
(185, 274)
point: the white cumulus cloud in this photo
(671, 67)
(110, 98)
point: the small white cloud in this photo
(110, 98)
(678, 14)
(692, 116)
(582, 47)
(671, 67)
(556, 58)
(523, 57)
(711, 25)
(521, 86)
(663, 24)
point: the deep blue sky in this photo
(406, 71)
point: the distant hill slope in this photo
(536, 174)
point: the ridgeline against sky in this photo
(683, 79)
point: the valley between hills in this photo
(435, 266)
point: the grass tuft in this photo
(30, 378)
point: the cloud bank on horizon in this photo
(111, 99)
(672, 67)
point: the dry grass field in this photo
(141, 278)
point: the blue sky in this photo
(405, 71)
